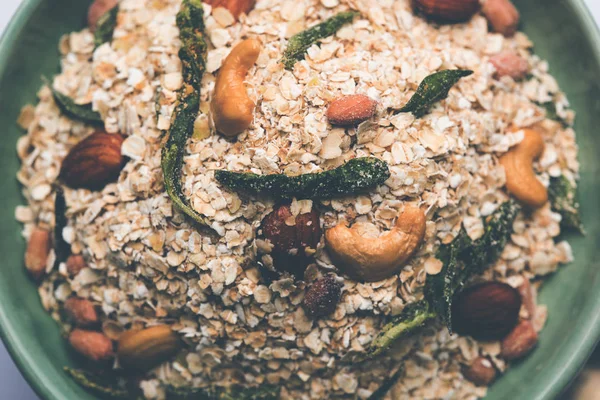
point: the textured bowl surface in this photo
(563, 32)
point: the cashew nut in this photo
(232, 109)
(375, 259)
(521, 181)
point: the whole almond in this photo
(520, 341)
(93, 162)
(235, 7)
(487, 311)
(92, 345)
(351, 110)
(451, 11)
(36, 256)
(75, 263)
(145, 349)
(481, 372)
(502, 15)
(82, 312)
(510, 63)
(97, 9)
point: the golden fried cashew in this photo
(374, 259)
(232, 109)
(521, 181)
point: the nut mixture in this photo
(142, 263)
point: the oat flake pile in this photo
(414, 164)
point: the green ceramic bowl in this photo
(564, 33)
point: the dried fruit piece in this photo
(375, 259)
(520, 341)
(92, 345)
(294, 238)
(481, 372)
(447, 10)
(351, 110)
(93, 162)
(510, 63)
(75, 263)
(145, 349)
(322, 297)
(502, 15)
(356, 175)
(36, 256)
(300, 42)
(487, 311)
(82, 312)
(434, 88)
(235, 7)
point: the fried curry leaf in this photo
(387, 384)
(83, 113)
(413, 317)
(353, 177)
(552, 113)
(563, 200)
(265, 392)
(463, 258)
(61, 247)
(434, 88)
(300, 42)
(103, 386)
(106, 27)
(193, 50)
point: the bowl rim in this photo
(576, 354)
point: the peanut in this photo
(92, 345)
(509, 63)
(528, 296)
(502, 16)
(481, 372)
(147, 348)
(75, 263)
(232, 109)
(97, 10)
(81, 311)
(235, 7)
(520, 341)
(351, 110)
(521, 181)
(374, 259)
(36, 256)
